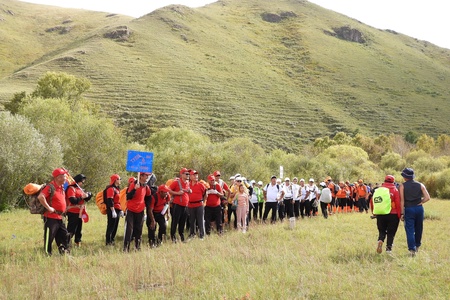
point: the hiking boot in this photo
(78, 244)
(63, 250)
(380, 247)
(412, 253)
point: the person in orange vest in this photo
(113, 208)
(53, 198)
(363, 196)
(342, 196)
(158, 208)
(76, 200)
(138, 194)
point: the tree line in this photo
(55, 126)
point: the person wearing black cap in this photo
(413, 195)
(76, 199)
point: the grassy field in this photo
(223, 65)
(318, 259)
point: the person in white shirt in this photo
(288, 199)
(312, 193)
(302, 195)
(272, 193)
(325, 199)
(297, 194)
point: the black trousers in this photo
(179, 217)
(213, 214)
(387, 225)
(270, 206)
(134, 223)
(55, 230)
(162, 228)
(74, 226)
(111, 226)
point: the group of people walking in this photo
(195, 206)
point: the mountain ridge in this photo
(228, 67)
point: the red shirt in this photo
(182, 200)
(74, 192)
(213, 200)
(158, 205)
(196, 197)
(137, 203)
(114, 193)
(58, 201)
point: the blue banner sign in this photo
(138, 161)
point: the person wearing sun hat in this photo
(413, 195)
(53, 198)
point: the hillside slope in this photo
(278, 73)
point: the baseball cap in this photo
(311, 180)
(216, 173)
(389, 178)
(287, 179)
(273, 176)
(59, 171)
(163, 188)
(113, 178)
(193, 172)
(259, 182)
(211, 177)
(184, 170)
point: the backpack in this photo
(381, 201)
(33, 190)
(100, 200)
(336, 188)
(278, 187)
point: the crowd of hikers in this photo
(201, 207)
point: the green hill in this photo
(281, 73)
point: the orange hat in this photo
(360, 181)
(59, 171)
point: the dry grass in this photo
(318, 259)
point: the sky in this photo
(424, 20)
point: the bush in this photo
(25, 156)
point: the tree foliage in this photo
(25, 156)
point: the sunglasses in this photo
(238, 180)
(187, 174)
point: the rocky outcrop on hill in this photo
(121, 34)
(348, 34)
(277, 18)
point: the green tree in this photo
(411, 137)
(16, 102)
(62, 86)
(25, 156)
(91, 144)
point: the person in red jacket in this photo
(196, 210)
(113, 208)
(138, 193)
(52, 197)
(213, 208)
(76, 199)
(388, 224)
(180, 190)
(158, 208)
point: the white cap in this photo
(232, 178)
(323, 184)
(260, 182)
(311, 180)
(237, 175)
(252, 181)
(302, 180)
(238, 178)
(287, 179)
(279, 180)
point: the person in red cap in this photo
(196, 211)
(180, 190)
(158, 209)
(76, 199)
(113, 208)
(138, 194)
(388, 224)
(225, 193)
(213, 208)
(52, 197)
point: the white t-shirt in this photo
(313, 190)
(288, 192)
(296, 190)
(272, 192)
